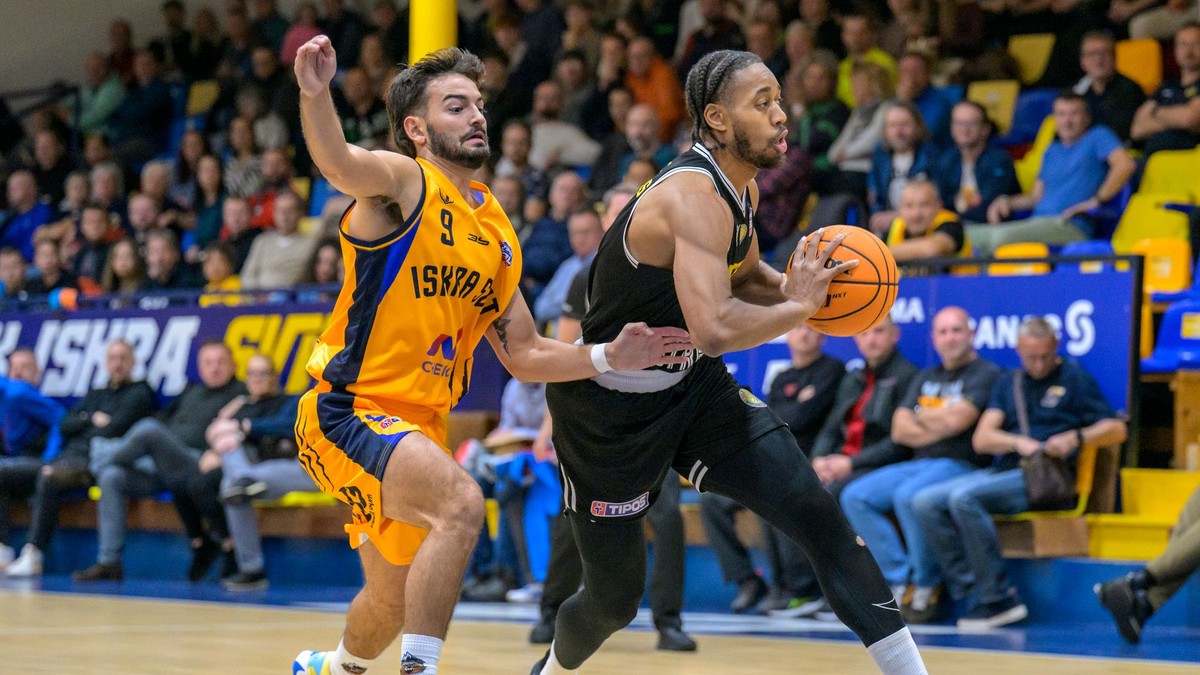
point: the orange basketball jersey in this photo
(416, 302)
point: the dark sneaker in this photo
(750, 592)
(797, 608)
(537, 667)
(242, 491)
(924, 605)
(100, 572)
(994, 614)
(1129, 607)
(203, 556)
(673, 639)
(492, 589)
(246, 581)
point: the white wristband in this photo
(599, 360)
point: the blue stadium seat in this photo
(1033, 105)
(1091, 247)
(1178, 346)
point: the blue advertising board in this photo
(1095, 314)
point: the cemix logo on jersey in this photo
(446, 345)
(616, 510)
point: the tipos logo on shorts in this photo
(750, 399)
(615, 510)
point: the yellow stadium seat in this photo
(1167, 269)
(1141, 61)
(1032, 53)
(302, 186)
(1027, 167)
(202, 95)
(1024, 249)
(1145, 218)
(1173, 171)
(999, 98)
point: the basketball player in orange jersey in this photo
(432, 266)
(683, 253)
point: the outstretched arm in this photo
(531, 357)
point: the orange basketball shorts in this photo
(345, 442)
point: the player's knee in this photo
(464, 506)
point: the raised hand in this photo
(316, 64)
(639, 346)
(812, 268)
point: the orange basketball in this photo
(862, 297)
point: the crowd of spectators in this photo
(572, 87)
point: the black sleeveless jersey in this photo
(622, 290)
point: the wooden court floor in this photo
(84, 634)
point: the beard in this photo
(452, 150)
(767, 158)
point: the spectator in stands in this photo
(580, 34)
(235, 56)
(639, 172)
(304, 28)
(923, 228)
(143, 216)
(604, 113)
(31, 436)
(583, 233)
(165, 271)
(821, 115)
(654, 83)
(278, 258)
(936, 419)
(1082, 169)
(374, 61)
(12, 273)
(155, 183)
(852, 150)
(50, 165)
(243, 167)
(364, 117)
(270, 129)
(762, 40)
(192, 146)
(392, 31)
(858, 38)
(505, 99)
(140, 124)
(173, 443)
(75, 195)
(1152, 20)
(47, 261)
(640, 141)
(100, 94)
(124, 271)
(973, 173)
(717, 32)
(1137, 596)
(548, 244)
(345, 29)
(826, 33)
(96, 233)
(173, 48)
(328, 270)
(1047, 406)
(251, 455)
(276, 172)
(105, 412)
(108, 189)
(802, 396)
(268, 23)
(514, 160)
(1170, 120)
(542, 27)
(121, 53)
(511, 196)
(236, 229)
(555, 143)
(572, 76)
(914, 86)
(221, 282)
(904, 154)
(856, 435)
(1112, 98)
(911, 21)
(25, 213)
(205, 211)
(206, 46)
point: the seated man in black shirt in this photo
(1170, 120)
(1112, 97)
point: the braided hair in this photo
(706, 83)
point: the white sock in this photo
(345, 662)
(420, 650)
(553, 667)
(897, 654)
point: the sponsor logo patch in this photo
(411, 664)
(750, 399)
(506, 253)
(617, 510)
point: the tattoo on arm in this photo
(501, 326)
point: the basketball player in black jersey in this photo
(683, 253)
